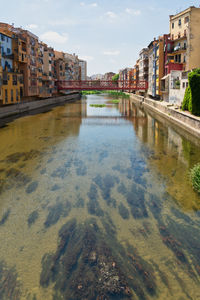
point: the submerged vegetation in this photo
(195, 177)
(86, 265)
(97, 105)
(114, 101)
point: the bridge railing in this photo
(101, 85)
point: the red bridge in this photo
(102, 85)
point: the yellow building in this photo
(184, 31)
(12, 79)
(12, 88)
(1, 81)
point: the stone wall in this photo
(182, 119)
(16, 109)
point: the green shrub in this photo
(194, 83)
(195, 177)
(187, 99)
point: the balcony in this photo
(8, 56)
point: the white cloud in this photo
(112, 53)
(91, 5)
(86, 57)
(133, 12)
(32, 26)
(111, 14)
(54, 37)
(94, 4)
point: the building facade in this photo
(184, 31)
(83, 69)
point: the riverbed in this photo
(96, 203)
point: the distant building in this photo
(97, 77)
(83, 69)
(143, 64)
(108, 76)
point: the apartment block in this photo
(184, 32)
(11, 83)
(83, 69)
(71, 66)
(143, 64)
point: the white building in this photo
(83, 66)
(173, 87)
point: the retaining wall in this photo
(20, 108)
(182, 119)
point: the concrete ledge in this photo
(184, 120)
(20, 108)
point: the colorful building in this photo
(143, 64)
(11, 78)
(184, 32)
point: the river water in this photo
(96, 203)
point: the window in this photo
(179, 22)
(185, 32)
(6, 96)
(8, 50)
(172, 25)
(17, 98)
(187, 84)
(183, 85)
(186, 19)
(12, 96)
(2, 37)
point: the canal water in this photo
(96, 203)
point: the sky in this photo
(107, 33)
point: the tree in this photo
(115, 77)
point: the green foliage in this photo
(115, 101)
(97, 105)
(194, 83)
(118, 94)
(187, 99)
(91, 92)
(195, 177)
(177, 84)
(115, 77)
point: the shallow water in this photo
(95, 203)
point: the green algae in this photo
(9, 284)
(123, 211)
(98, 105)
(32, 187)
(5, 216)
(32, 218)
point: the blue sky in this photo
(107, 33)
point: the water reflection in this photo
(95, 203)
